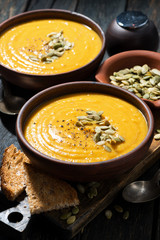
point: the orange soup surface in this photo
(20, 46)
(59, 128)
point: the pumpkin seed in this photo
(79, 124)
(140, 80)
(82, 117)
(71, 219)
(118, 208)
(157, 136)
(65, 215)
(86, 122)
(100, 113)
(107, 148)
(104, 127)
(81, 188)
(126, 215)
(34, 58)
(75, 210)
(90, 195)
(145, 69)
(96, 137)
(155, 72)
(109, 131)
(122, 139)
(91, 112)
(93, 191)
(101, 143)
(108, 214)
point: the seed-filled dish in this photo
(48, 46)
(85, 127)
(140, 80)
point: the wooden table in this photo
(144, 219)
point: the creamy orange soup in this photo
(52, 128)
(21, 41)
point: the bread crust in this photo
(46, 193)
(12, 172)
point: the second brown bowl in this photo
(129, 59)
(109, 169)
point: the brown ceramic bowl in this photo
(39, 82)
(129, 59)
(84, 171)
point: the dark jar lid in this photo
(132, 19)
(131, 30)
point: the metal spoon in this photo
(142, 191)
(10, 104)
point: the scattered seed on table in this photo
(81, 188)
(71, 219)
(108, 214)
(126, 215)
(75, 210)
(118, 208)
(65, 215)
(157, 136)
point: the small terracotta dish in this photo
(38, 82)
(74, 171)
(129, 59)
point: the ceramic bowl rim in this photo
(19, 124)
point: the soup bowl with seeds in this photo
(41, 48)
(85, 131)
(137, 71)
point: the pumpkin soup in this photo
(48, 46)
(85, 127)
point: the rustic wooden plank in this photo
(102, 12)
(135, 227)
(10, 8)
(89, 209)
(63, 4)
(39, 4)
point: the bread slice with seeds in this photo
(46, 193)
(12, 172)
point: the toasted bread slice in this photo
(12, 172)
(46, 193)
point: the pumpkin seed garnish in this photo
(54, 48)
(104, 132)
(140, 80)
(108, 149)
